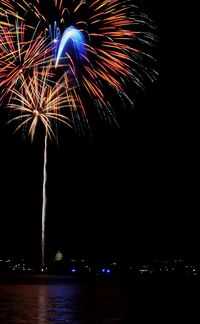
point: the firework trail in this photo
(76, 37)
(44, 201)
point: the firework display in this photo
(59, 58)
(93, 45)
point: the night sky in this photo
(130, 191)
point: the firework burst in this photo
(19, 55)
(114, 38)
(40, 101)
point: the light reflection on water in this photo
(38, 303)
(49, 299)
(60, 301)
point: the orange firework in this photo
(40, 101)
(114, 34)
(117, 38)
(18, 55)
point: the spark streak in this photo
(71, 33)
(44, 199)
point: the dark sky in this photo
(131, 191)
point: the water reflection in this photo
(35, 300)
(63, 300)
(58, 303)
(38, 303)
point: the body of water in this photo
(55, 299)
